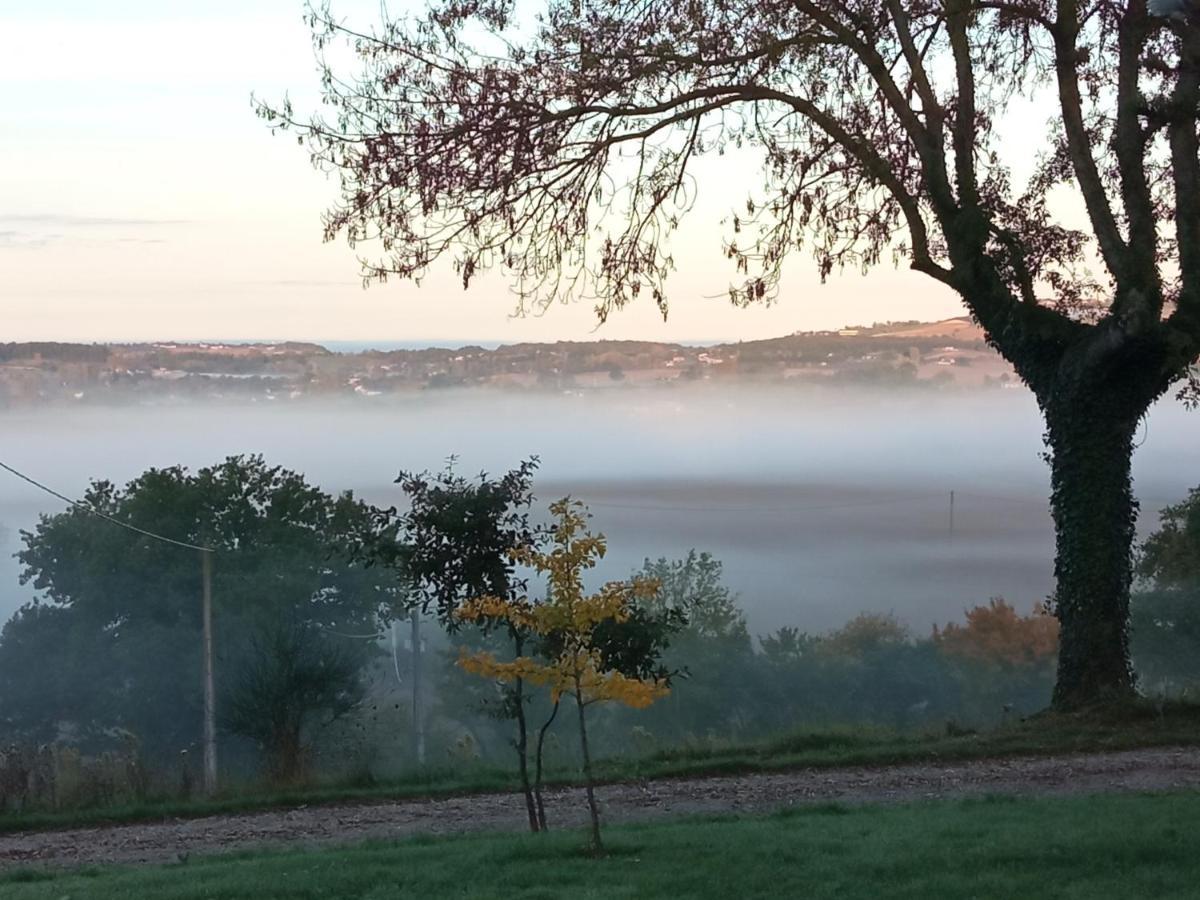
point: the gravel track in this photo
(177, 839)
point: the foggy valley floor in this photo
(820, 503)
(1095, 846)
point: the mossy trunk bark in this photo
(1094, 513)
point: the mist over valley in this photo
(821, 503)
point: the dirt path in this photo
(168, 841)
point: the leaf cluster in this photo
(596, 647)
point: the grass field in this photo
(1086, 847)
(1139, 726)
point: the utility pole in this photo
(951, 515)
(417, 712)
(210, 699)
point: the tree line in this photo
(306, 585)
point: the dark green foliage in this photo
(873, 671)
(1165, 636)
(1171, 556)
(290, 679)
(115, 633)
(1166, 615)
(870, 671)
(693, 587)
(713, 651)
(459, 534)
(636, 647)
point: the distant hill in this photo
(936, 353)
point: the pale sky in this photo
(141, 199)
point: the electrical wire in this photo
(376, 636)
(783, 509)
(107, 518)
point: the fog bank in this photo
(821, 504)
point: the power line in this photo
(784, 509)
(358, 637)
(999, 498)
(107, 518)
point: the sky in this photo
(141, 199)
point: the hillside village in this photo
(947, 353)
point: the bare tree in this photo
(558, 149)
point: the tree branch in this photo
(930, 150)
(1142, 298)
(877, 167)
(964, 113)
(1185, 161)
(1104, 223)
(1023, 11)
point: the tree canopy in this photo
(1171, 555)
(118, 616)
(558, 147)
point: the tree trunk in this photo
(289, 755)
(522, 742)
(538, 755)
(597, 847)
(523, 752)
(1091, 443)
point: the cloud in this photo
(308, 282)
(27, 231)
(26, 240)
(61, 220)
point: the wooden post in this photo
(210, 700)
(418, 713)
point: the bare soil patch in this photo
(1158, 769)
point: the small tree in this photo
(694, 586)
(292, 678)
(713, 649)
(571, 625)
(459, 537)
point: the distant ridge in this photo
(960, 328)
(949, 352)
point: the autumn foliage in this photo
(995, 634)
(573, 662)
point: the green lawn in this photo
(1091, 847)
(1137, 726)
